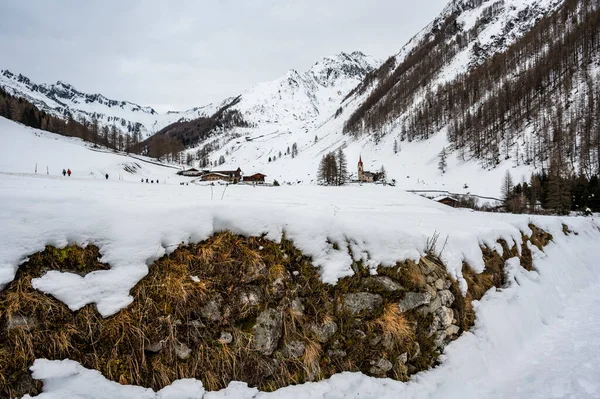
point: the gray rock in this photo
(439, 339)
(359, 334)
(278, 287)
(426, 267)
(430, 279)
(294, 349)
(439, 284)
(383, 283)
(297, 306)
(155, 347)
(267, 331)
(362, 303)
(452, 330)
(380, 366)
(226, 338)
(447, 297)
(254, 272)
(212, 309)
(375, 340)
(434, 305)
(414, 299)
(337, 353)
(447, 284)
(388, 341)
(323, 332)
(417, 351)
(432, 291)
(445, 316)
(182, 351)
(18, 321)
(271, 368)
(403, 358)
(250, 297)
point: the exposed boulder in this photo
(403, 358)
(382, 283)
(297, 306)
(267, 331)
(381, 366)
(439, 284)
(324, 331)
(362, 303)
(250, 297)
(445, 316)
(254, 271)
(212, 309)
(452, 330)
(447, 297)
(182, 351)
(337, 353)
(294, 349)
(154, 347)
(413, 300)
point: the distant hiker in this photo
(146, 180)
(107, 176)
(64, 172)
(69, 172)
(152, 181)
(142, 179)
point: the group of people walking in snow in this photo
(68, 172)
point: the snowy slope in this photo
(486, 26)
(61, 98)
(133, 223)
(23, 148)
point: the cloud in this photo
(183, 53)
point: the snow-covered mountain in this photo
(461, 38)
(304, 97)
(284, 110)
(61, 99)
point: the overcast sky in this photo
(179, 54)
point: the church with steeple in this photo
(363, 175)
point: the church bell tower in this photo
(360, 169)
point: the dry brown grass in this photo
(393, 322)
(312, 357)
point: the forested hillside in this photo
(21, 110)
(537, 102)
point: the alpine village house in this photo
(229, 176)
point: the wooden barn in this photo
(257, 178)
(447, 200)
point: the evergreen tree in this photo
(442, 164)
(507, 187)
(382, 174)
(342, 167)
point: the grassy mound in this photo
(241, 308)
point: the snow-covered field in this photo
(541, 317)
